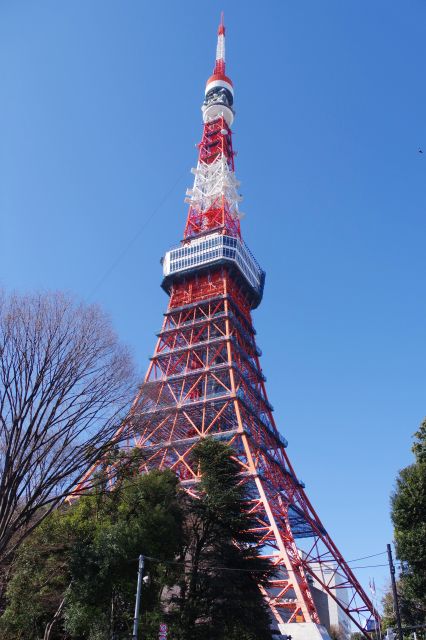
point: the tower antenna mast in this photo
(205, 380)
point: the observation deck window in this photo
(209, 249)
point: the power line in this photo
(132, 241)
(373, 555)
(222, 568)
(370, 566)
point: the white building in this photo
(331, 615)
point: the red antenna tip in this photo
(221, 30)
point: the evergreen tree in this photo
(82, 563)
(219, 596)
(409, 520)
(75, 576)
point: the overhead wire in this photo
(223, 568)
(132, 241)
(373, 555)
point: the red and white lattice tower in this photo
(205, 379)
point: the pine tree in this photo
(219, 594)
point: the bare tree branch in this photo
(65, 387)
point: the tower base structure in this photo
(304, 631)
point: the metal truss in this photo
(205, 380)
(214, 197)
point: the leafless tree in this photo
(65, 386)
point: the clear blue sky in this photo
(99, 115)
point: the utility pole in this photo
(138, 599)
(394, 593)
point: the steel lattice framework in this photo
(205, 379)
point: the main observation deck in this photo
(207, 251)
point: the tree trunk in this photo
(55, 618)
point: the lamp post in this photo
(138, 598)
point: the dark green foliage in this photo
(388, 616)
(88, 552)
(81, 562)
(141, 516)
(40, 576)
(410, 610)
(409, 520)
(219, 594)
(419, 446)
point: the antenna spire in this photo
(220, 49)
(219, 92)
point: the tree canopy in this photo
(65, 385)
(75, 575)
(82, 562)
(219, 595)
(408, 512)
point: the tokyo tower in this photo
(205, 380)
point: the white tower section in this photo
(211, 183)
(220, 48)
